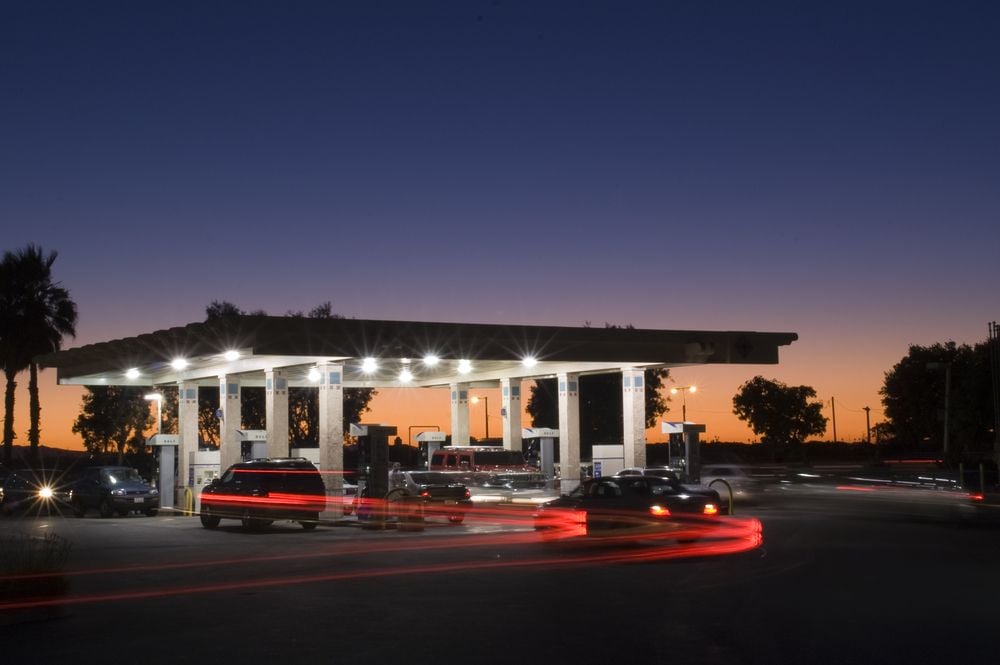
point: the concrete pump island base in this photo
(329, 355)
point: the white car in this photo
(726, 478)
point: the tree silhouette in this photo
(778, 413)
(113, 419)
(35, 314)
(913, 395)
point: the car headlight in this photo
(45, 492)
(118, 492)
(154, 491)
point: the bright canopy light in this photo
(132, 374)
(231, 355)
(431, 360)
(369, 365)
(152, 397)
(313, 375)
(529, 361)
(179, 363)
(406, 376)
(464, 366)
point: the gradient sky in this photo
(830, 169)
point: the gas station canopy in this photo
(396, 353)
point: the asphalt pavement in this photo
(841, 576)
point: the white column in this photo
(634, 416)
(230, 421)
(276, 412)
(331, 433)
(187, 429)
(459, 414)
(569, 432)
(510, 396)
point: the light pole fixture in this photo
(683, 390)
(158, 398)
(486, 411)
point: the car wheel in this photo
(150, 512)
(6, 510)
(308, 525)
(208, 520)
(78, 508)
(105, 508)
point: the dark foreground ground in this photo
(841, 577)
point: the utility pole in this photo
(995, 372)
(868, 423)
(833, 406)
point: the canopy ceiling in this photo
(492, 351)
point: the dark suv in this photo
(113, 489)
(261, 491)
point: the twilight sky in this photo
(830, 169)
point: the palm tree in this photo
(35, 314)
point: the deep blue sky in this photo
(831, 169)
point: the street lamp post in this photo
(947, 397)
(486, 412)
(684, 390)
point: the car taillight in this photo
(659, 511)
(711, 509)
(425, 493)
(468, 494)
(976, 497)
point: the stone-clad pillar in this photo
(569, 431)
(459, 414)
(634, 416)
(230, 403)
(276, 412)
(331, 433)
(187, 429)
(510, 393)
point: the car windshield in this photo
(432, 478)
(120, 475)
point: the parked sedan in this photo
(31, 491)
(631, 502)
(113, 489)
(415, 495)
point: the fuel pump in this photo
(429, 443)
(253, 444)
(691, 460)
(373, 469)
(167, 445)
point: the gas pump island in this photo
(373, 468)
